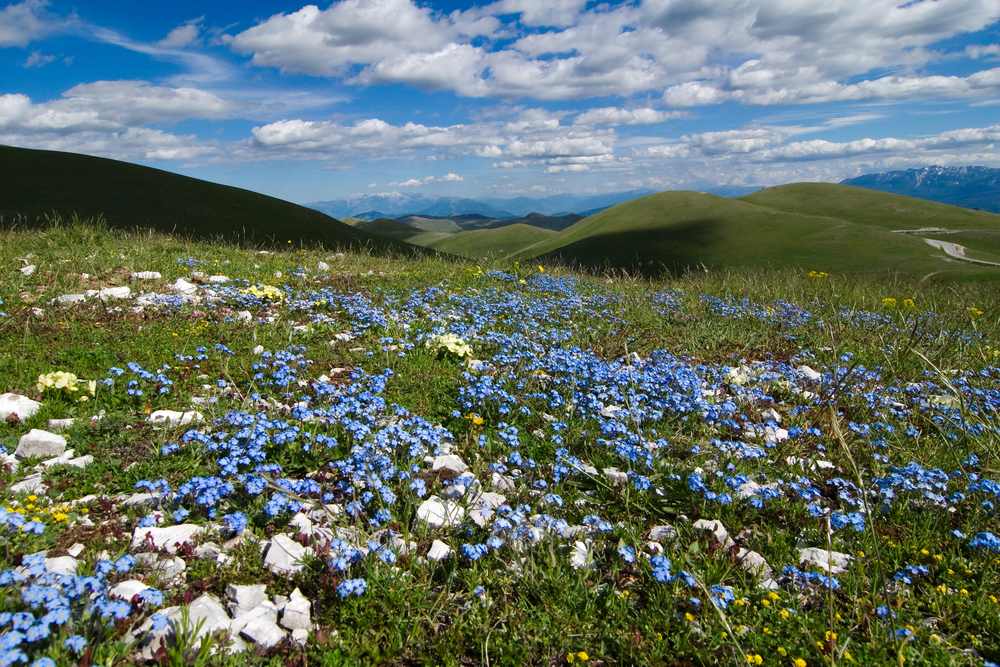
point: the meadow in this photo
(495, 464)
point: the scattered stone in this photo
(285, 554)
(167, 539)
(300, 636)
(27, 270)
(15, 404)
(754, 563)
(184, 287)
(502, 482)
(451, 462)
(60, 424)
(71, 298)
(400, 546)
(772, 415)
(38, 312)
(263, 632)
(616, 476)
(207, 608)
(218, 279)
(208, 551)
(482, 508)
(580, 556)
(660, 533)
(173, 418)
(322, 266)
(832, 561)
(717, 529)
(61, 565)
(610, 411)
(296, 614)
(67, 459)
(126, 590)
(302, 522)
(440, 513)
(245, 598)
(439, 551)
(810, 373)
(41, 444)
(146, 275)
(111, 293)
(245, 316)
(75, 550)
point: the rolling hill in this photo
(813, 226)
(37, 184)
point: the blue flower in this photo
(75, 643)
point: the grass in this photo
(805, 226)
(891, 456)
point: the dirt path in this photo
(956, 251)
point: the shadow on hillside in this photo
(674, 250)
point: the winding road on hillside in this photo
(949, 248)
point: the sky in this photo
(509, 98)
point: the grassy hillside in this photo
(37, 184)
(498, 242)
(819, 227)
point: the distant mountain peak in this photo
(969, 186)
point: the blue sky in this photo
(510, 98)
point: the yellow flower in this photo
(766, 603)
(689, 617)
(784, 613)
(799, 662)
(755, 659)
(782, 652)
(909, 303)
(964, 593)
(847, 655)
(540, 269)
(32, 497)
(772, 595)
(583, 655)
(889, 302)
(831, 635)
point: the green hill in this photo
(498, 242)
(37, 184)
(811, 226)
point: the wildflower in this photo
(799, 662)
(75, 643)
(755, 659)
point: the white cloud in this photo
(183, 35)
(26, 22)
(131, 103)
(563, 147)
(452, 178)
(36, 59)
(558, 169)
(615, 116)
(372, 185)
(411, 183)
(734, 141)
(976, 51)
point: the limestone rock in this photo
(30, 484)
(146, 275)
(832, 561)
(717, 529)
(61, 565)
(285, 554)
(173, 418)
(41, 444)
(60, 424)
(184, 287)
(296, 614)
(126, 590)
(71, 298)
(15, 404)
(245, 598)
(167, 539)
(439, 551)
(440, 513)
(263, 632)
(660, 533)
(451, 462)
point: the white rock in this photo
(207, 551)
(41, 444)
(302, 522)
(245, 598)
(660, 533)
(38, 312)
(296, 614)
(832, 561)
(60, 424)
(168, 538)
(126, 590)
(451, 462)
(322, 266)
(753, 562)
(27, 270)
(184, 287)
(146, 275)
(440, 513)
(263, 610)
(616, 477)
(717, 529)
(610, 411)
(502, 482)
(810, 373)
(263, 632)
(285, 554)
(112, 293)
(173, 418)
(76, 550)
(399, 545)
(580, 556)
(245, 316)
(30, 484)
(15, 404)
(439, 551)
(209, 608)
(61, 565)
(71, 298)
(772, 415)
(218, 279)
(481, 509)
(453, 492)
(300, 636)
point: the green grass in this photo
(499, 242)
(40, 185)
(821, 227)
(558, 342)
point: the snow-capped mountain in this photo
(971, 187)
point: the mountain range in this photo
(398, 204)
(970, 187)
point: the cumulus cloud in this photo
(25, 22)
(183, 35)
(559, 169)
(615, 116)
(452, 178)
(36, 59)
(694, 52)
(734, 141)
